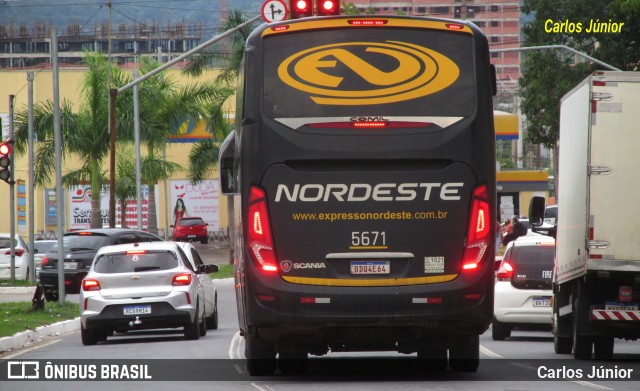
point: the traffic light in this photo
(5, 161)
(327, 7)
(301, 8)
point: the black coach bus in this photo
(363, 172)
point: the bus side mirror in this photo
(226, 163)
(536, 211)
(494, 80)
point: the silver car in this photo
(210, 292)
(142, 286)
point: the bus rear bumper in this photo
(357, 319)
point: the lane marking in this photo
(489, 353)
(592, 385)
(234, 347)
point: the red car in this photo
(190, 229)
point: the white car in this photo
(210, 293)
(523, 286)
(141, 286)
(21, 253)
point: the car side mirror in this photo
(208, 269)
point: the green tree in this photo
(204, 156)
(550, 74)
(164, 105)
(83, 133)
(350, 9)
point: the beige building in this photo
(14, 82)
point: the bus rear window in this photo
(369, 72)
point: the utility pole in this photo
(112, 138)
(12, 196)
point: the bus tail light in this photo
(479, 231)
(260, 240)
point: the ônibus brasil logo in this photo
(402, 71)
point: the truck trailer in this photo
(597, 263)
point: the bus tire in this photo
(433, 360)
(261, 357)
(464, 354)
(295, 363)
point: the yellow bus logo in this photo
(412, 72)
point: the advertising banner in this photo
(80, 209)
(201, 200)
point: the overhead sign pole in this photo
(114, 92)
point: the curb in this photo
(17, 290)
(26, 338)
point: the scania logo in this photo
(366, 73)
(286, 266)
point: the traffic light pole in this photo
(12, 197)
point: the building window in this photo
(439, 10)
(495, 8)
(495, 39)
(495, 23)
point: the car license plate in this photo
(370, 267)
(613, 306)
(191, 236)
(137, 309)
(70, 265)
(542, 301)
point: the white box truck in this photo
(597, 264)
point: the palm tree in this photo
(83, 133)
(163, 105)
(204, 156)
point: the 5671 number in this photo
(368, 238)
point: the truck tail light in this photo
(260, 240)
(478, 234)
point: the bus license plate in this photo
(137, 309)
(370, 267)
(542, 301)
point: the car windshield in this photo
(79, 242)
(533, 266)
(189, 222)
(135, 262)
(43, 247)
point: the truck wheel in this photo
(499, 331)
(261, 357)
(464, 354)
(582, 344)
(603, 348)
(561, 344)
(293, 363)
